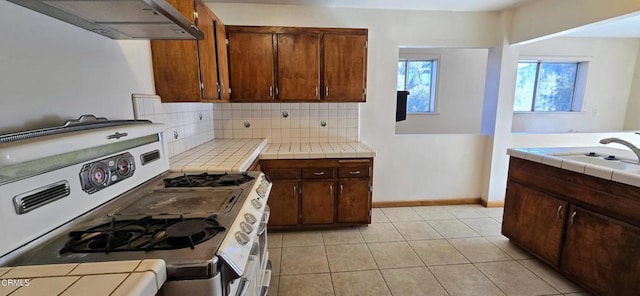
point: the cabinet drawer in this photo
(282, 174)
(318, 173)
(354, 172)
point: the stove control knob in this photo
(251, 219)
(256, 204)
(246, 227)
(242, 238)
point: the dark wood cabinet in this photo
(251, 66)
(602, 253)
(333, 192)
(283, 203)
(585, 227)
(306, 64)
(298, 67)
(345, 67)
(354, 201)
(540, 230)
(188, 70)
(318, 198)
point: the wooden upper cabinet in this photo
(345, 67)
(222, 61)
(187, 70)
(207, 53)
(298, 67)
(251, 66)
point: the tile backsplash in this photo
(287, 122)
(187, 125)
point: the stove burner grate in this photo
(146, 234)
(208, 180)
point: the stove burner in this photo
(146, 234)
(208, 180)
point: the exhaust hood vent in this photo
(120, 19)
(34, 199)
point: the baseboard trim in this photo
(493, 204)
(418, 203)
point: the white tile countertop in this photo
(131, 278)
(624, 170)
(236, 155)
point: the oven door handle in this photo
(265, 220)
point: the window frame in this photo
(579, 86)
(435, 60)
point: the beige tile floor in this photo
(438, 250)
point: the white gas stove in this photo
(98, 190)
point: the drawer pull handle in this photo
(558, 212)
(341, 189)
(294, 190)
(331, 189)
(573, 215)
(354, 173)
(318, 173)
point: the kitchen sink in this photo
(623, 164)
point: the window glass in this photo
(544, 86)
(418, 78)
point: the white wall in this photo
(407, 167)
(611, 66)
(632, 118)
(52, 71)
(460, 88)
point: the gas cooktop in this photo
(208, 180)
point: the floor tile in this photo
(491, 212)
(508, 247)
(350, 257)
(300, 239)
(464, 279)
(550, 276)
(484, 226)
(498, 219)
(433, 213)
(275, 256)
(380, 232)
(452, 228)
(437, 252)
(513, 279)
(465, 211)
(479, 249)
(416, 230)
(416, 281)
(377, 216)
(307, 284)
(342, 236)
(401, 214)
(299, 260)
(273, 285)
(358, 283)
(274, 239)
(394, 255)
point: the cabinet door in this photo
(354, 201)
(283, 202)
(535, 220)
(223, 61)
(207, 53)
(602, 253)
(298, 67)
(251, 66)
(318, 198)
(345, 67)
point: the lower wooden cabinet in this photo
(319, 192)
(540, 229)
(584, 227)
(602, 253)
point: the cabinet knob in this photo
(573, 215)
(326, 91)
(558, 212)
(331, 189)
(317, 91)
(271, 91)
(341, 189)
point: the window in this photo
(549, 86)
(418, 77)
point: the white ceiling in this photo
(623, 27)
(446, 5)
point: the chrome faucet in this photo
(633, 148)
